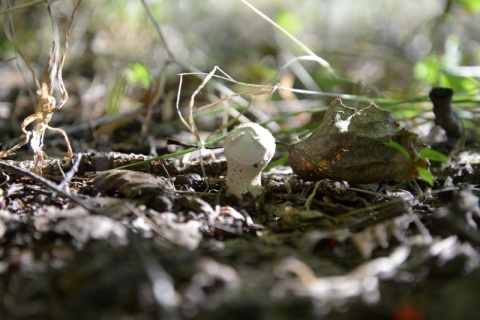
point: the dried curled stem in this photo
(47, 104)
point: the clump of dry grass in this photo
(46, 105)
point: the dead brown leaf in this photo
(350, 145)
(131, 184)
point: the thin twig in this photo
(49, 185)
(308, 203)
(22, 6)
(158, 29)
(9, 30)
(70, 174)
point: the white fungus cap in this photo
(248, 148)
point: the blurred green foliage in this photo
(438, 70)
(472, 6)
(389, 52)
(433, 155)
(137, 74)
(290, 22)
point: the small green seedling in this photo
(429, 154)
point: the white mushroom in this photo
(248, 148)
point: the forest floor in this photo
(137, 223)
(160, 239)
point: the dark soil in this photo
(161, 241)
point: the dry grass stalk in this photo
(47, 104)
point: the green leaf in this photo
(209, 142)
(472, 6)
(138, 74)
(426, 175)
(433, 155)
(290, 22)
(275, 163)
(116, 95)
(427, 69)
(398, 147)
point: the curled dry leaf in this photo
(351, 145)
(131, 184)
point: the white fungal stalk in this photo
(248, 148)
